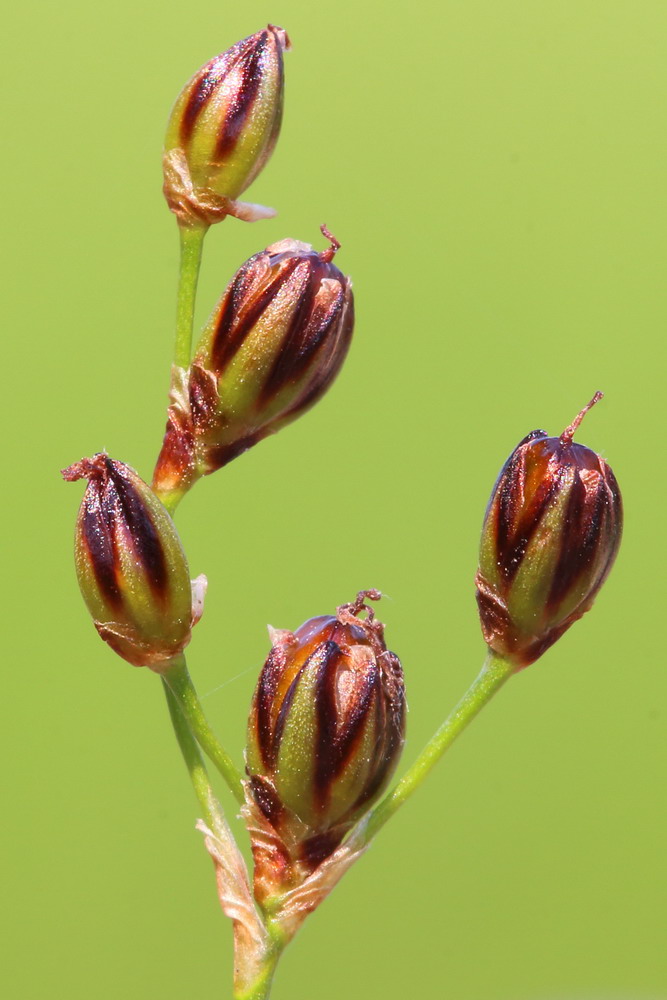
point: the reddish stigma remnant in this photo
(569, 432)
(87, 468)
(349, 613)
(329, 254)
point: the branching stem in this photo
(491, 678)
(261, 988)
(190, 723)
(180, 685)
(191, 756)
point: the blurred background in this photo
(495, 173)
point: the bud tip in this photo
(281, 35)
(569, 432)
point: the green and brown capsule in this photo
(326, 728)
(131, 567)
(223, 128)
(551, 533)
(271, 349)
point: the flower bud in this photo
(223, 128)
(273, 346)
(326, 728)
(550, 536)
(131, 567)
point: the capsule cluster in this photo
(274, 344)
(327, 721)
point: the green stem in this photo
(172, 500)
(181, 686)
(493, 675)
(191, 755)
(192, 241)
(261, 988)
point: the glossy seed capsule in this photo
(130, 564)
(223, 129)
(550, 537)
(326, 727)
(273, 346)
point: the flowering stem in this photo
(191, 755)
(180, 685)
(171, 500)
(491, 678)
(192, 241)
(261, 988)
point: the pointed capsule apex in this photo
(569, 432)
(281, 35)
(329, 254)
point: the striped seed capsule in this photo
(223, 128)
(551, 533)
(326, 728)
(271, 349)
(131, 567)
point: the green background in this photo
(495, 172)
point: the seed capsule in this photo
(223, 128)
(551, 533)
(271, 349)
(326, 728)
(131, 567)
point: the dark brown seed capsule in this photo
(130, 564)
(223, 128)
(551, 533)
(271, 349)
(326, 727)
